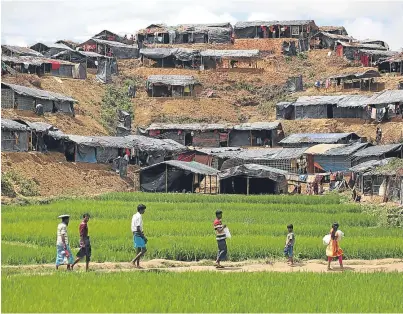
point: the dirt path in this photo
(317, 266)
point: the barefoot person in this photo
(289, 244)
(63, 255)
(139, 239)
(85, 245)
(333, 249)
(220, 237)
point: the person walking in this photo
(221, 239)
(139, 239)
(289, 244)
(63, 251)
(333, 249)
(85, 245)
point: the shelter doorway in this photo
(188, 139)
(185, 38)
(329, 111)
(239, 185)
(69, 151)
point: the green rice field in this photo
(179, 227)
(202, 292)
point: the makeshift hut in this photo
(332, 157)
(352, 50)
(325, 40)
(178, 176)
(171, 57)
(216, 33)
(311, 139)
(235, 59)
(256, 134)
(386, 105)
(352, 106)
(288, 159)
(364, 81)
(214, 156)
(194, 134)
(14, 136)
(171, 85)
(68, 43)
(336, 30)
(26, 98)
(156, 34)
(110, 48)
(392, 64)
(275, 29)
(253, 179)
(49, 50)
(44, 66)
(110, 36)
(375, 42)
(378, 152)
(370, 58)
(15, 51)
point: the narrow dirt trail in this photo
(316, 266)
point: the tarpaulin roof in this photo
(358, 75)
(332, 28)
(254, 171)
(350, 101)
(90, 54)
(335, 36)
(369, 165)
(288, 153)
(221, 152)
(345, 150)
(211, 25)
(110, 43)
(56, 45)
(369, 41)
(176, 80)
(257, 126)
(339, 100)
(7, 124)
(31, 60)
(183, 54)
(258, 153)
(377, 150)
(188, 126)
(362, 45)
(386, 97)
(322, 148)
(192, 166)
(37, 93)
(40, 126)
(386, 53)
(22, 50)
(394, 166)
(230, 53)
(240, 25)
(395, 58)
(323, 138)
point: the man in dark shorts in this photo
(85, 245)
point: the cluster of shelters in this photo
(392, 64)
(185, 34)
(219, 135)
(26, 98)
(380, 106)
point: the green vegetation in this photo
(12, 183)
(201, 292)
(179, 226)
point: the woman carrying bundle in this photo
(333, 249)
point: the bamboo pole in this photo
(205, 182)
(166, 178)
(210, 183)
(247, 185)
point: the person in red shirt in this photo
(221, 239)
(85, 245)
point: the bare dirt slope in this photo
(57, 177)
(317, 266)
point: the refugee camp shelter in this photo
(171, 57)
(73, 45)
(325, 40)
(275, 29)
(110, 36)
(393, 64)
(333, 157)
(39, 139)
(44, 66)
(288, 159)
(177, 176)
(336, 30)
(255, 134)
(310, 139)
(253, 179)
(370, 58)
(386, 105)
(375, 42)
(110, 48)
(230, 59)
(193, 134)
(14, 136)
(171, 85)
(214, 156)
(381, 178)
(26, 98)
(378, 152)
(15, 51)
(364, 81)
(49, 50)
(352, 50)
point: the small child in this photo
(289, 244)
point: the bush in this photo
(29, 188)
(7, 187)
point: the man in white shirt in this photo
(139, 240)
(64, 255)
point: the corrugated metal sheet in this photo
(7, 124)
(378, 150)
(176, 80)
(386, 97)
(346, 150)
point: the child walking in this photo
(289, 244)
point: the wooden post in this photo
(251, 140)
(217, 190)
(193, 180)
(166, 178)
(210, 183)
(205, 182)
(247, 185)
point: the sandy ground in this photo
(316, 266)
